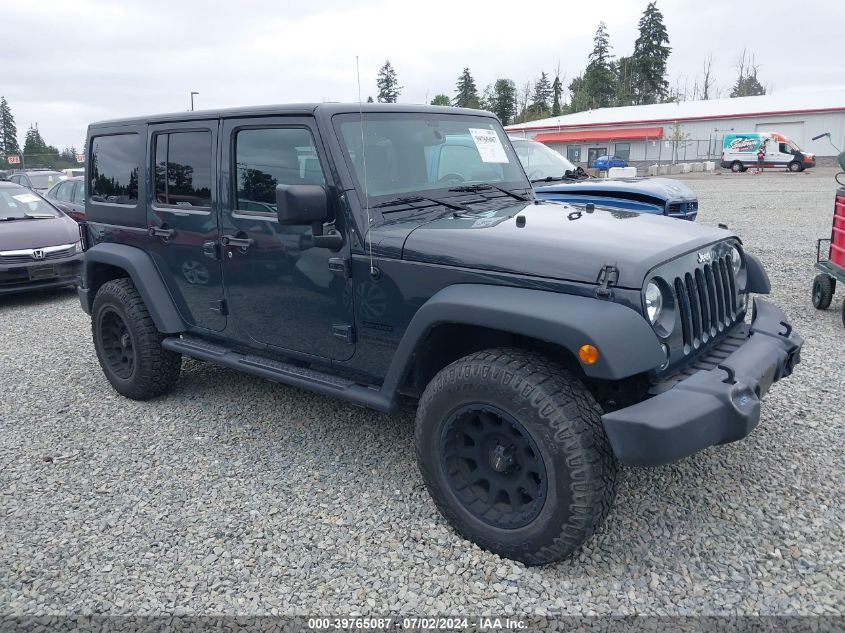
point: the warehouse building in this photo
(691, 130)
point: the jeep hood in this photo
(557, 241)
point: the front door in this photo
(183, 220)
(593, 153)
(281, 290)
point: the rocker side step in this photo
(277, 371)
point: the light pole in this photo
(192, 99)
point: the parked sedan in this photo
(69, 196)
(40, 246)
(39, 180)
(606, 162)
(555, 178)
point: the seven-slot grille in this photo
(706, 299)
(27, 256)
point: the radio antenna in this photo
(369, 236)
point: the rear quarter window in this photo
(115, 185)
(115, 169)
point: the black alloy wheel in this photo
(494, 466)
(118, 346)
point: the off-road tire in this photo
(564, 421)
(154, 371)
(823, 289)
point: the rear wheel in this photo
(795, 166)
(737, 167)
(823, 289)
(128, 343)
(514, 454)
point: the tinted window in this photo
(114, 168)
(183, 169)
(79, 192)
(268, 157)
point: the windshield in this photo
(412, 153)
(45, 180)
(19, 203)
(541, 161)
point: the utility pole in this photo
(192, 99)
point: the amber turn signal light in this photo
(589, 354)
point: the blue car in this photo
(555, 178)
(606, 162)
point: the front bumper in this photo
(711, 406)
(41, 275)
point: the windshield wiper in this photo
(402, 200)
(25, 216)
(483, 186)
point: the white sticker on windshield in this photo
(489, 145)
(26, 198)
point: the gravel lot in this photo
(236, 495)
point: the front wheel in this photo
(823, 288)
(128, 343)
(795, 166)
(514, 454)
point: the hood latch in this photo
(608, 276)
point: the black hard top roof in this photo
(306, 109)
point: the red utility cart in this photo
(831, 269)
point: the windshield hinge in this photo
(608, 276)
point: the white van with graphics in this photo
(739, 152)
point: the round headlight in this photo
(736, 259)
(653, 302)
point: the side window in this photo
(784, 148)
(267, 157)
(79, 192)
(115, 169)
(183, 168)
(15, 179)
(64, 191)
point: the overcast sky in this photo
(69, 62)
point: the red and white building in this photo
(646, 133)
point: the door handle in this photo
(239, 242)
(163, 233)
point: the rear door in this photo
(182, 216)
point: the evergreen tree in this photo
(557, 95)
(8, 130)
(388, 84)
(466, 93)
(441, 100)
(504, 100)
(542, 94)
(651, 52)
(599, 81)
(625, 81)
(34, 144)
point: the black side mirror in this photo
(307, 204)
(301, 204)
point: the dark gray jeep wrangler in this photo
(357, 253)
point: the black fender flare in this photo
(141, 269)
(626, 342)
(758, 278)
